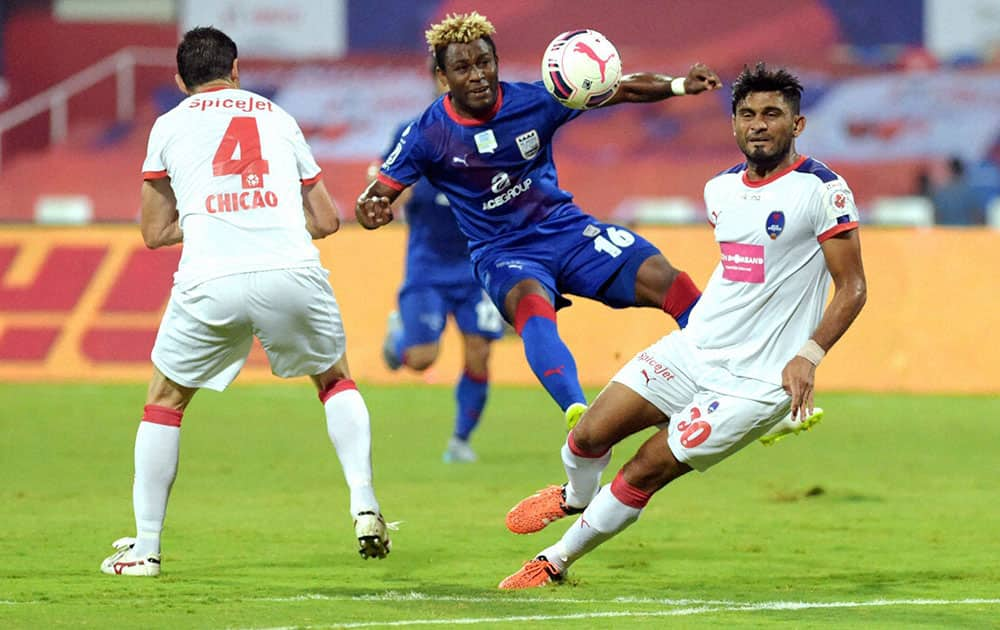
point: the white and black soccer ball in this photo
(581, 69)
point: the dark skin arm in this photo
(646, 87)
(843, 259)
(373, 207)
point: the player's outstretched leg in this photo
(615, 507)
(547, 354)
(786, 426)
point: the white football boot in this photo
(124, 562)
(786, 426)
(373, 535)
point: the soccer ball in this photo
(581, 69)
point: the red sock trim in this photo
(576, 450)
(158, 414)
(532, 306)
(629, 494)
(681, 295)
(334, 388)
(477, 378)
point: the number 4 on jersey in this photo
(242, 135)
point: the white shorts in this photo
(713, 413)
(207, 329)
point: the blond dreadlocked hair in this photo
(458, 28)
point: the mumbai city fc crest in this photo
(529, 144)
(775, 224)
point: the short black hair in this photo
(760, 79)
(205, 54)
(440, 51)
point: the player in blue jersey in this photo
(439, 281)
(487, 145)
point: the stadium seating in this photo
(631, 163)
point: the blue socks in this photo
(547, 355)
(471, 398)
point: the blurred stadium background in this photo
(897, 92)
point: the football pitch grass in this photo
(886, 515)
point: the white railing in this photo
(55, 100)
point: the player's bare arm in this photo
(647, 87)
(373, 208)
(843, 259)
(322, 216)
(159, 224)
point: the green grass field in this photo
(887, 515)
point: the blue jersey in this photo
(497, 172)
(437, 252)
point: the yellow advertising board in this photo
(83, 305)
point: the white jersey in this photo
(767, 295)
(236, 163)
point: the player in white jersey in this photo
(785, 225)
(230, 174)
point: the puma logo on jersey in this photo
(459, 160)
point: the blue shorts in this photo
(425, 308)
(583, 257)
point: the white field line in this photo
(394, 596)
(705, 607)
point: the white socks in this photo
(349, 426)
(156, 450)
(603, 519)
(584, 475)
(157, 447)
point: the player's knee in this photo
(164, 392)
(421, 357)
(587, 437)
(477, 354)
(654, 279)
(653, 466)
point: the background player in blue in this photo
(488, 146)
(439, 280)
